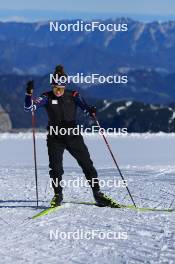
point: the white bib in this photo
(54, 102)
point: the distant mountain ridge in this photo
(146, 53)
(133, 115)
(29, 48)
(137, 116)
(147, 86)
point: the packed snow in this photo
(148, 164)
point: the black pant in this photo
(77, 148)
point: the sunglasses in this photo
(59, 89)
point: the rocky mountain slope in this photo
(143, 45)
(5, 122)
(133, 115)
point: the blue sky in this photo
(47, 9)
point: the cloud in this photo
(13, 19)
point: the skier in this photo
(60, 104)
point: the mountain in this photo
(135, 116)
(147, 86)
(30, 48)
(5, 122)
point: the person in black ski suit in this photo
(60, 104)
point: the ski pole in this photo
(112, 155)
(34, 151)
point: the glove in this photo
(30, 87)
(92, 111)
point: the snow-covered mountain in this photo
(137, 117)
(37, 50)
(143, 105)
(125, 107)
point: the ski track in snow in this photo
(151, 235)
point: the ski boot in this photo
(56, 200)
(103, 200)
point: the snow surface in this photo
(147, 162)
